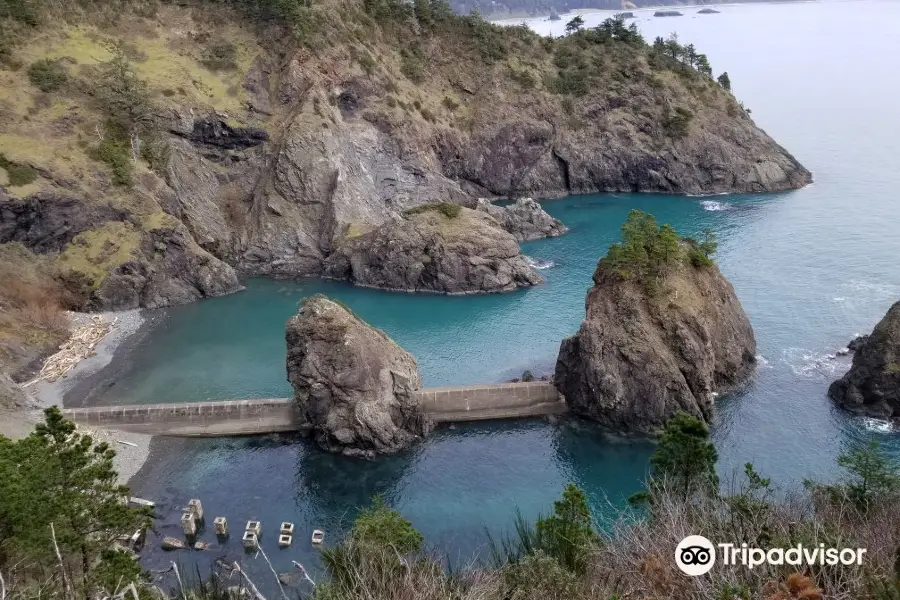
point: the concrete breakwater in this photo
(274, 415)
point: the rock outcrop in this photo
(441, 248)
(354, 384)
(166, 269)
(872, 385)
(525, 219)
(639, 358)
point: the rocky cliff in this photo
(353, 383)
(640, 357)
(441, 248)
(150, 160)
(872, 385)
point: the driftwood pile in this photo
(81, 345)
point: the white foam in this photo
(537, 263)
(712, 205)
(877, 425)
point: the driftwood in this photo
(82, 344)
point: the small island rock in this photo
(441, 248)
(872, 385)
(352, 382)
(639, 357)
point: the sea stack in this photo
(352, 382)
(658, 338)
(872, 385)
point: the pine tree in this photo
(685, 459)
(62, 479)
(725, 81)
(574, 25)
(568, 534)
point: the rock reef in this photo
(872, 385)
(441, 248)
(525, 219)
(352, 382)
(639, 358)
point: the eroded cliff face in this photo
(354, 384)
(640, 358)
(872, 385)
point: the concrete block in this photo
(287, 528)
(318, 536)
(188, 524)
(250, 541)
(284, 540)
(254, 527)
(196, 509)
(221, 526)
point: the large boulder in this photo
(442, 248)
(525, 219)
(352, 382)
(872, 385)
(641, 357)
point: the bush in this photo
(379, 525)
(412, 65)
(17, 174)
(450, 103)
(221, 56)
(527, 375)
(700, 252)
(47, 75)
(117, 154)
(678, 124)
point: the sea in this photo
(813, 268)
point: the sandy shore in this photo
(132, 449)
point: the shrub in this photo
(450, 103)
(527, 375)
(366, 61)
(221, 56)
(380, 525)
(18, 174)
(117, 154)
(412, 65)
(678, 124)
(700, 252)
(47, 75)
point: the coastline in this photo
(74, 389)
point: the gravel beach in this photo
(132, 449)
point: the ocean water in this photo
(812, 268)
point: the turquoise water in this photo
(812, 268)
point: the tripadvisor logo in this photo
(696, 555)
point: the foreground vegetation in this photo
(61, 510)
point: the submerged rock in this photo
(526, 219)
(872, 385)
(640, 358)
(352, 382)
(440, 248)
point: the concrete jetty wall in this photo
(273, 415)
